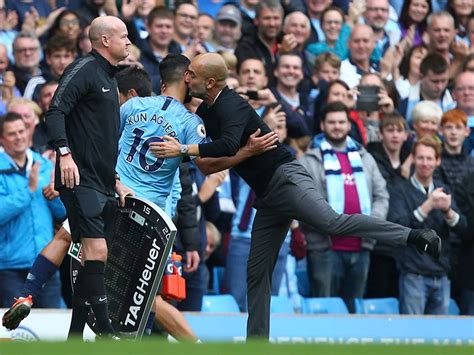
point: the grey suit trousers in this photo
(291, 194)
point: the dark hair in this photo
(331, 8)
(53, 31)
(404, 66)
(337, 106)
(457, 22)
(268, 4)
(173, 67)
(160, 12)
(434, 62)
(134, 78)
(405, 20)
(8, 117)
(58, 43)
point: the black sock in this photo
(96, 295)
(80, 308)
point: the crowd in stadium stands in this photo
(402, 152)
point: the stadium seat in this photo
(281, 304)
(219, 304)
(324, 305)
(217, 279)
(303, 282)
(389, 305)
(453, 308)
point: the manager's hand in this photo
(169, 148)
(69, 171)
(257, 145)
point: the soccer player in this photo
(284, 189)
(135, 164)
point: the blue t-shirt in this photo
(145, 120)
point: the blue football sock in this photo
(40, 273)
(149, 323)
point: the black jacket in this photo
(85, 115)
(229, 122)
(253, 47)
(465, 198)
(453, 168)
(404, 199)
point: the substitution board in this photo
(137, 256)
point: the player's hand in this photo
(34, 176)
(257, 145)
(122, 191)
(49, 192)
(169, 148)
(69, 171)
(192, 261)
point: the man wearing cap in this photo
(228, 27)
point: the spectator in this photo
(406, 75)
(413, 19)
(30, 112)
(314, 10)
(361, 46)
(426, 120)
(289, 74)
(422, 202)
(441, 34)
(68, 25)
(455, 164)
(228, 28)
(136, 15)
(8, 90)
(84, 43)
(391, 156)
(460, 10)
(60, 52)
(90, 9)
(185, 21)
(26, 49)
(263, 45)
(376, 16)
(40, 138)
(464, 95)
(204, 31)
(338, 266)
(29, 205)
(465, 199)
(8, 24)
(433, 86)
(247, 12)
(160, 43)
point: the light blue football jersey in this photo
(145, 120)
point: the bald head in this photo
(361, 44)
(109, 37)
(211, 65)
(103, 26)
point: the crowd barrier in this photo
(337, 329)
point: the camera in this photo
(253, 95)
(368, 98)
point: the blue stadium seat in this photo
(453, 308)
(281, 304)
(303, 282)
(389, 305)
(219, 304)
(324, 305)
(217, 279)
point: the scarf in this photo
(335, 179)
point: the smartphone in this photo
(368, 98)
(253, 95)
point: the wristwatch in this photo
(183, 149)
(63, 151)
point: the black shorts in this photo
(91, 214)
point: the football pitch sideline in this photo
(161, 347)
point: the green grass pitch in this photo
(160, 347)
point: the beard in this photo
(187, 97)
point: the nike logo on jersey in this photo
(102, 299)
(105, 90)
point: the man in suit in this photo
(284, 189)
